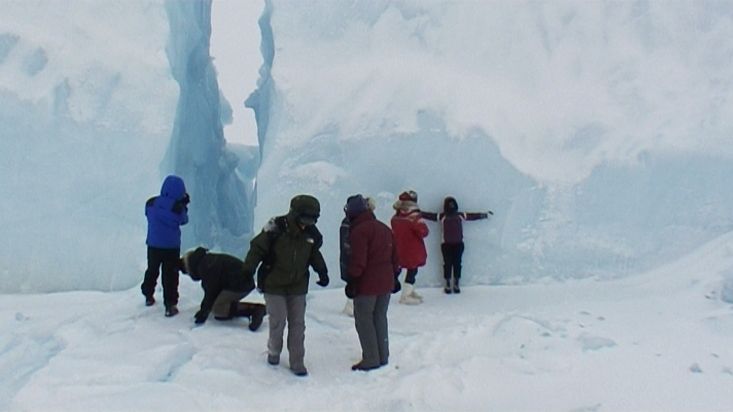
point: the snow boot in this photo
(256, 319)
(300, 371)
(361, 366)
(349, 308)
(273, 360)
(415, 295)
(254, 311)
(447, 289)
(149, 300)
(171, 310)
(456, 288)
(406, 298)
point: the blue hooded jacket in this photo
(166, 214)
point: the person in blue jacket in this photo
(166, 214)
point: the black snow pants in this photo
(452, 255)
(169, 259)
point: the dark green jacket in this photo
(284, 269)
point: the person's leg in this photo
(412, 275)
(408, 289)
(170, 277)
(225, 305)
(155, 258)
(381, 327)
(458, 256)
(296, 333)
(364, 315)
(277, 311)
(254, 311)
(445, 250)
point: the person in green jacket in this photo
(284, 250)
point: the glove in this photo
(490, 213)
(178, 207)
(200, 317)
(322, 280)
(397, 285)
(186, 199)
(350, 290)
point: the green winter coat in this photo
(285, 254)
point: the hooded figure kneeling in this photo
(225, 283)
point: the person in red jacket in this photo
(451, 221)
(409, 231)
(371, 278)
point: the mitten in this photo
(178, 207)
(186, 199)
(322, 280)
(397, 285)
(350, 290)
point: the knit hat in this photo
(355, 205)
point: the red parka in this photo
(409, 230)
(373, 260)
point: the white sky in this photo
(235, 47)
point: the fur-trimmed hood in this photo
(190, 262)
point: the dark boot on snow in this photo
(447, 289)
(171, 310)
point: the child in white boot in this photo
(409, 231)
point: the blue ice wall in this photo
(339, 123)
(221, 201)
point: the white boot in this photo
(349, 308)
(415, 295)
(407, 298)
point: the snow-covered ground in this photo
(658, 341)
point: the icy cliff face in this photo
(596, 131)
(222, 199)
(89, 127)
(86, 106)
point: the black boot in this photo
(256, 319)
(447, 289)
(254, 311)
(171, 310)
(456, 288)
(457, 278)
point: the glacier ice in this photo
(597, 132)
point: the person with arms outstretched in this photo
(452, 246)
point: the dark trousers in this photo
(370, 319)
(410, 276)
(168, 258)
(452, 255)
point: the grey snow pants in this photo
(290, 310)
(370, 319)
